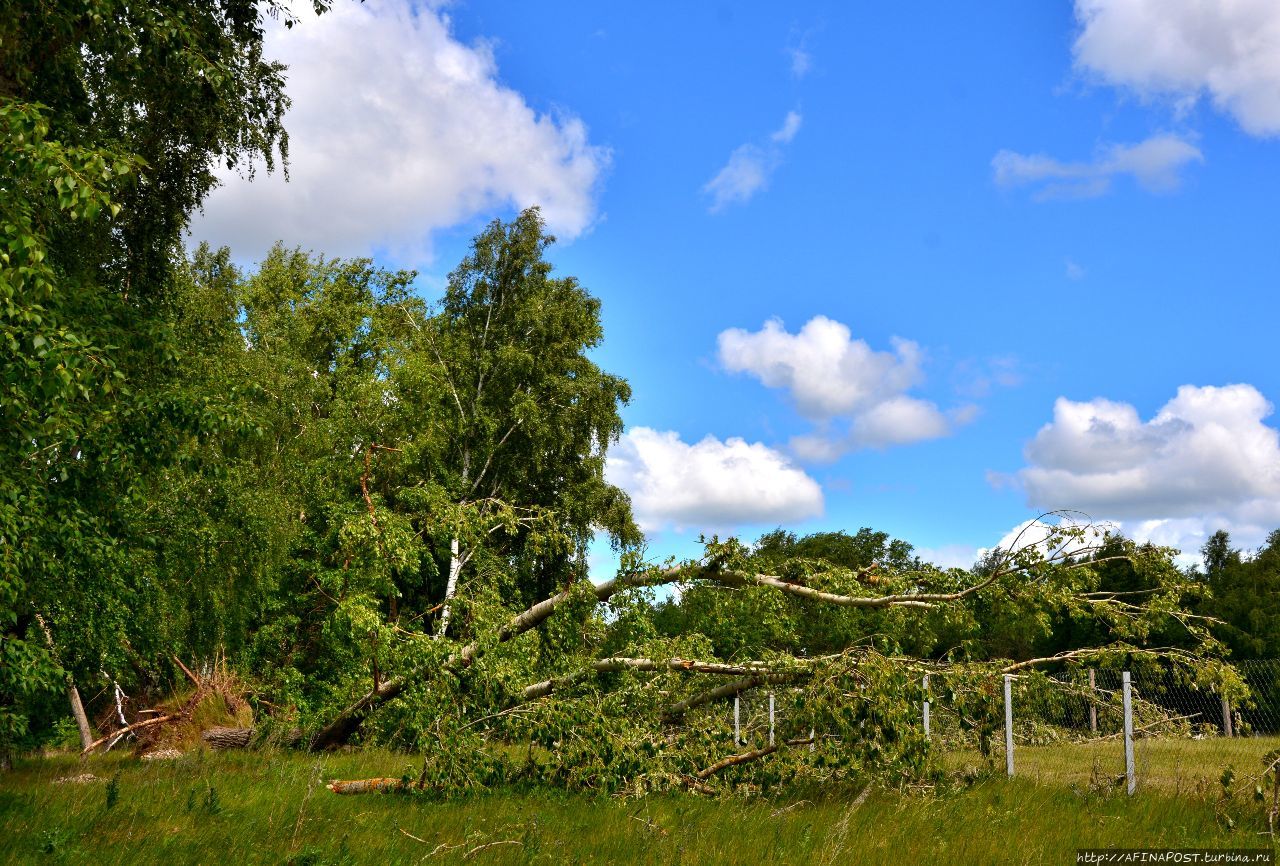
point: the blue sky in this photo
(929, 268)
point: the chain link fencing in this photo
(1083, 707)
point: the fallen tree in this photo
(646, 719)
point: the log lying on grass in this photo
(227, 738)
(366, 786)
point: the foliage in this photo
(112, 117)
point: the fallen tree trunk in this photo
(349, 720)
(227, 738)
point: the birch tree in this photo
(520, 417)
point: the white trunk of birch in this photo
(450, 587)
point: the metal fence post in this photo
(1008, 724)
(771, 718)
(1128, 734)
(1093, 701)
(926, 706)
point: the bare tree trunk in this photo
(450, 587)
(73, 693)
(77, 710)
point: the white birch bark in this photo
(450, 587)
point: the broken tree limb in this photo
(129, 729)
(739, 578)
(746, 757)
(186, 670)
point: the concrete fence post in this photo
(1128, 734)
(926, 706)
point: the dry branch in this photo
(129, 729)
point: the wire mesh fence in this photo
(1033, 709)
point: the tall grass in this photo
(273, 808)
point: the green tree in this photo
(112, 118)
(517, 413)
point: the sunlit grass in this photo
(273, 808)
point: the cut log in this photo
(227, 738)
(366, 786)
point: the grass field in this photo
(273, 808)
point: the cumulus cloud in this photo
(1184, 49)
(1205, 461)
(1155, 164)
(397, 130)
(750, 166)
(829, 375)
(711, 484)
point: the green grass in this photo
(273, 808)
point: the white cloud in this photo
(710, 484)
(397, 129)
(949, 555)
(750, 166)
(1075, 271)
(1183, 49)
(790, 126)
(1155, 164)
(801, 61)
(830, 375)
(1205, 461)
